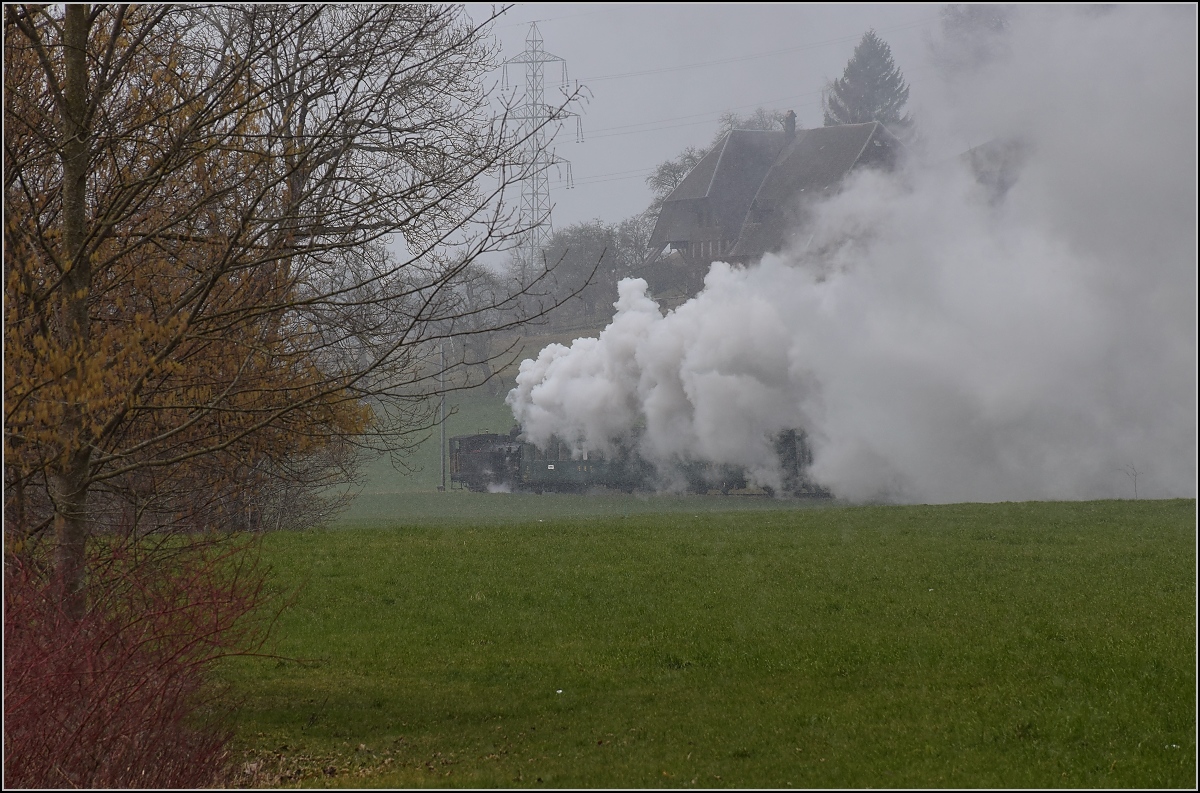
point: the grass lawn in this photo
(1004, 645)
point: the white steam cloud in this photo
(944, 348)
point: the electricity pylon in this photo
(534, 116)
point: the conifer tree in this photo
(870, 89)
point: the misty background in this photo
(937, 344)
(659, 77)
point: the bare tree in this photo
(969, 36)
(670, 173)
(233, 242)
(1133, 473)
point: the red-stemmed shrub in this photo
(121, 697)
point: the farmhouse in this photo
(748, 196)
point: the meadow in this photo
(480, 640)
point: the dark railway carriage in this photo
(482, 462)
(554, 469)
(478, 462)
(487, 461)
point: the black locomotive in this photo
(504, 462)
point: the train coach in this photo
(493, 462)
(503, 462)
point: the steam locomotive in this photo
(492, 462)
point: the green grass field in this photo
(570, 642)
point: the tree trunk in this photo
(70, 530)
(69, 481)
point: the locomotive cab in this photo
(478, 462)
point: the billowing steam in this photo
(936, 345)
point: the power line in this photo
(704, 118)
(634, 171)
(601, 178)
(604, 10)
(709, 120)
(741, 58)
(708, 113)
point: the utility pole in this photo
(442, 412)
(535, 115)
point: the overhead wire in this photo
(703, 118)
(708, 115)
(709, 120)
(601, 178)
(753, 56)
(602, 10)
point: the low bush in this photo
(121, 697)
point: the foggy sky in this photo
(602, 41)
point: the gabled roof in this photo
(816, 159)
(815, 162)
(725, 180)
(752, 187)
